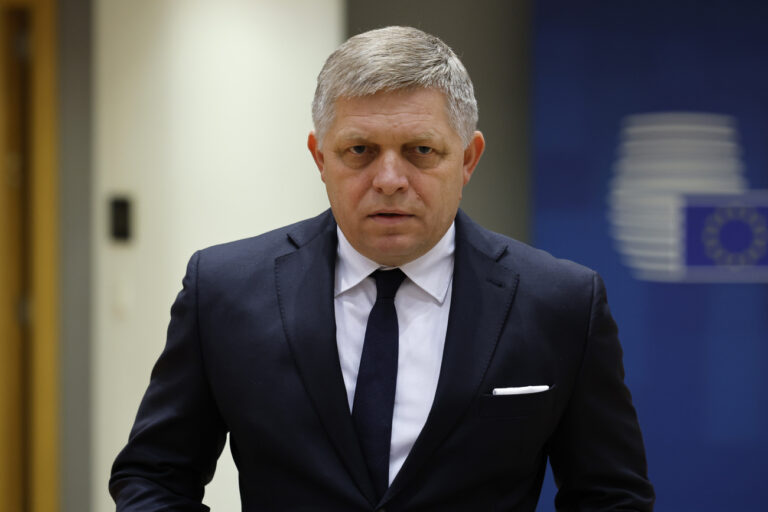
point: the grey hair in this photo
(392, 59)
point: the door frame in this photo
(43, 348)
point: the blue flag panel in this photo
(727, 233)
(649, 150)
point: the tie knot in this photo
(387, 282)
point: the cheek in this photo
(439, 192)
(348, 192)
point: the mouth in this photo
(390, 215)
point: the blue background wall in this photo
(695, 354)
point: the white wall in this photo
(201, 114)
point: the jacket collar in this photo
(483, 291)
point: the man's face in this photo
(394, 169)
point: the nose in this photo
(390, 173)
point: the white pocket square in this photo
(524, 390)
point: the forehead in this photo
(415, 112)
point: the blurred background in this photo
(628, 136)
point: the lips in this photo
(390, 216)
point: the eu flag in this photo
(727, 235)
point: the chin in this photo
(395, 255)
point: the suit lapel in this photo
(304, 280)
(482, 295)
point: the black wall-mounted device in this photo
(120, 218)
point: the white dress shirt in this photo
(422, 303)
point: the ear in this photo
(314, 148)
(472, 154)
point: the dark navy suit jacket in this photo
(251, 351)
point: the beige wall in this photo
(201, 113)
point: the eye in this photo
(424, 157)
(357, 156)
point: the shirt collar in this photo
(432, 272)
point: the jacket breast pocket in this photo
(516, 406)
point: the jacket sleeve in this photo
(178, 434)
(597, 452)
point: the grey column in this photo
(492, 39)
(75, 175)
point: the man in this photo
(388, 354)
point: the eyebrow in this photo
(426, 137)
(352, 137)
(356, 136)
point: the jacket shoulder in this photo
(264, 248)
(541, 263)
(528, 261)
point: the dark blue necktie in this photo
(377, 379)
